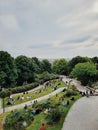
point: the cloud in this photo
(78, 40)
(95, 7)
(49, 28)
(9, 22)
(56, 43)
(96, 39)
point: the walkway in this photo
(83, 115)
(76, 83)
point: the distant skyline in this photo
(49, 28)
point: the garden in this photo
(52, 112)
(26, 96)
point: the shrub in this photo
(27, 87)
(53, 116)
(18, 120)
(45, 105)
(73, 87)
(70, 93)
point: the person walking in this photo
(43, 127)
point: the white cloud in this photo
(43, 28)
(56, 43)
(95, 7)
(9, 22)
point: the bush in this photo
(73, 87)
(18, 120)
(70, 93)
(53, 116)
(5, 93)
(45, 105)
(27, 87)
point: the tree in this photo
(37, 65)
(25, 70)
(8, 71)
(76, 60)
(95, 59)
(85, 72)
(46, 66)
(60, 66)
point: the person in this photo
(46, 111)
(87, 93)
(42, 127)
(25, 107)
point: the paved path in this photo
(29, 102)
(76, 83)
(83, 115)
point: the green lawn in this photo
(39, 119)
(34, 96)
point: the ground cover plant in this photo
(17, 120)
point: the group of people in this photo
(11, 101)
(87, 93)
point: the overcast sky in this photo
(49, 28)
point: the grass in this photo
(40, 118)
(1, 119)
(34, 96)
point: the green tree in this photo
(95, 59)
(37, 65)
(46, 66)
(8, 71)
(60, 66)
(85, 72)
(76, 60)
(25, 70)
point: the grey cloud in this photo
(96, 39)
(48, 21)
(40, 46)
(78, 40)
(90, 45)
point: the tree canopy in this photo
(22, 69)
(46, 65)
(8, 71)
(85, 72)
(60, 66)
(76, 60)
(25, 70)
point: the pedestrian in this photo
(25, 107)
(43, 127)
(87, 93)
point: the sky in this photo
(49, 28)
